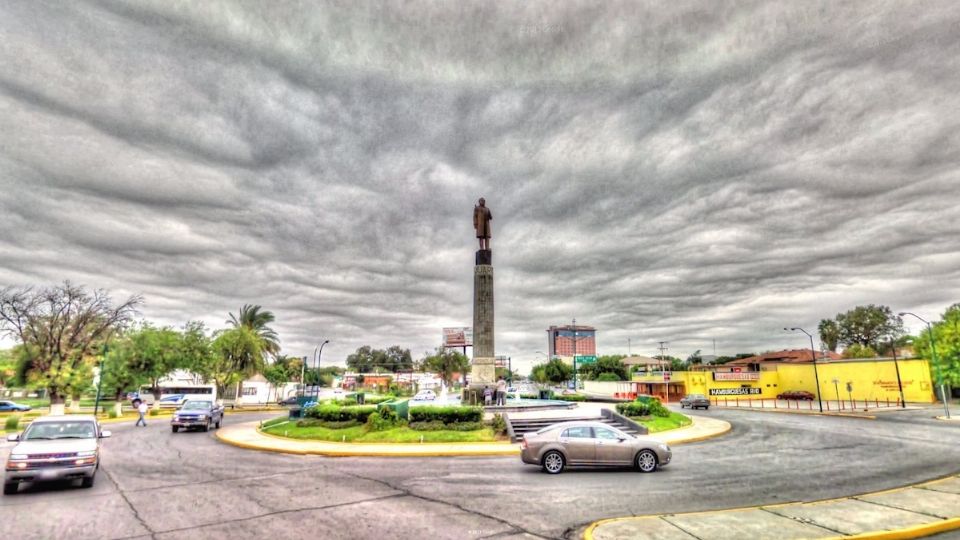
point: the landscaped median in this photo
(908, 512)
(249, 435)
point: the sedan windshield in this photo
(60, 430)
(197, 405)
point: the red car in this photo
(796, 394)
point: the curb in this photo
(494, 452)
(916, 531)
(345, 450)
(805, 413)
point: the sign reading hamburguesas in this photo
(734, 391)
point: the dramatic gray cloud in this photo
(661, 171)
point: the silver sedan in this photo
(591, 444)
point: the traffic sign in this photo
(585, 359)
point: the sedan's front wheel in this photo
(553, 462)
(646, 461)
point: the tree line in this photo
(63, 332)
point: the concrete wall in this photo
(870, 380)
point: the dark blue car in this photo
(7, 406)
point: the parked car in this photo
(55, 448)
(292, 400)
(694, 401)
(591, 444)
(425, 395)
(7, 406)
(797, 394)
(197, 414)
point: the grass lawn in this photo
(396, 435)
(656, 423)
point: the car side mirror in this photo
(105, 434)
(621, 439)
(13, 437)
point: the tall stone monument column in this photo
(483, 370)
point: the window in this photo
(249, 391)
(604, 433)
(577, 433)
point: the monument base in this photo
(483, 373)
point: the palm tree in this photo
(255, 318)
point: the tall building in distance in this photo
(563, 340)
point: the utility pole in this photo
(574, 353)
(628, 346)
(666, 384)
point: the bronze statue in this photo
(481, 222)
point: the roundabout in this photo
(194, 486)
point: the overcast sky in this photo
(661, 171)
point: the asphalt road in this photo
(154, 483)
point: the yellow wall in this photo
(870, 380)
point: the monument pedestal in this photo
(483, 370)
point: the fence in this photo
(852, 404)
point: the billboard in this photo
(460, 336)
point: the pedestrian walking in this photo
(501, 392)
(487, 396)
(141, 410)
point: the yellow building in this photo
(871, 379)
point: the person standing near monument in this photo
(481, 222)
(501, 392)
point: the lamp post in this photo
(317, 353)
(936, 362)
(303, 380)
(96, 404)
(813, 355)
(574, 354)
(893, 349)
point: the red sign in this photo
(737, 370)
(666, 375)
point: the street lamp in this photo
(933, 352)
(813, 355)
(893, 349)
(317, 353)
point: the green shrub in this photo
(332, 412)
(434, 425)
(499, 424)
(633, 408)
(154, 412)
(465, 426)
(382, 420)
(12, 423)
(529, 396)
(570, 397)
(313, 422)
(346, 402)
(447, 415)
(112, 413)
(657, 408)
(608, 377)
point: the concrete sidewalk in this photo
(909, 512)
(248, 436)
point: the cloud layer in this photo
(659, 172)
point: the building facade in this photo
(567, 341)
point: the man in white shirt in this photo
(142, 410)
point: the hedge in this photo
(570, 397)
(436, 425)
(447, 415)
(636, 408)
(331, 412)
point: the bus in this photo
(175, 394)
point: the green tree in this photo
(555, 371)
(8, 367)
(256, 319)
(277, 375)
(866, 325)
(829, 333)
(362, 361)
(118, 377)
(60, 328)
(154, 353)
(694, 358)
(237, 355)
(946, 335)
(398, 359)
(605, 364)
(506, 374)
(859, 351)
(446, 363)
(194, 348)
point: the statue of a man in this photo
(481, 222)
